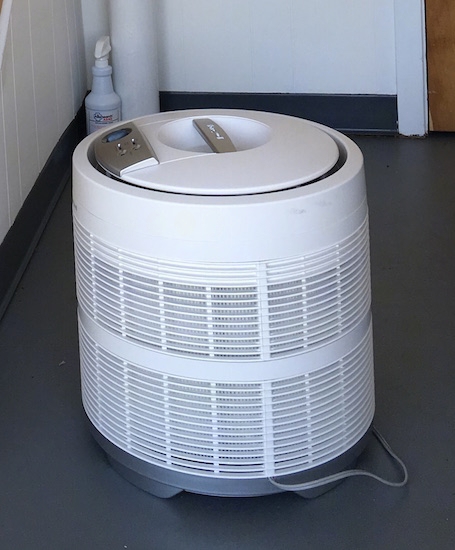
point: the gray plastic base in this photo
(165, 483)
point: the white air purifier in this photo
(223, 284)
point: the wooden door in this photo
(440, 23)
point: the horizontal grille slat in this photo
(217, 311)
(230, 429)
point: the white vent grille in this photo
(234, 312)
(227, 430)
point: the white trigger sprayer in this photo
(102, 105)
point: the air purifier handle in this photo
(214, 135)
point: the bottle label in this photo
(97, 119)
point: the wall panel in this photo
(43, 84)
(288, 46)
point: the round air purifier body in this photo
(223, 284)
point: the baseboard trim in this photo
(372, 114)
(23, 236)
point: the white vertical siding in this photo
(45, 88)
(77, 50)
(42, 85)
(63, 68)
(11, 177)
(27, 137)
(4, 195)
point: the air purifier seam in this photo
(350, 473)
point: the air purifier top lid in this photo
(217, 152)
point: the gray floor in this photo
(57, 490)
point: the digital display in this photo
(116, 135)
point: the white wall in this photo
(95, 24)
(316, 46)
(42, 86)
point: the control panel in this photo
(124, 150)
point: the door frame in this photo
(411, 67)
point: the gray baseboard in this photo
(372, 114)
(23, 236)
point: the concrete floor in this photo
(57, 490)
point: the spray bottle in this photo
(102, 105)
